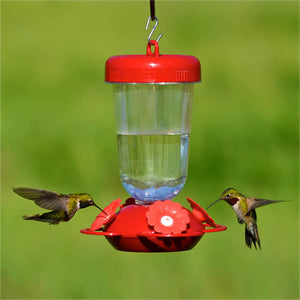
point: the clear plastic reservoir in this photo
(153, 129)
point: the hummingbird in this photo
(63, 206)
(244, 207)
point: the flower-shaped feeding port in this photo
(164, 226)
(107, 216)
(167, 217)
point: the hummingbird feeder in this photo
(153, 96)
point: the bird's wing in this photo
(44, 199)
(256, 202)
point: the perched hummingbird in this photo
(63, 206)
(244, 208)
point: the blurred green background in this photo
(58, 133)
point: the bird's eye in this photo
(227, 196)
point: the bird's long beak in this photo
(213, 203)
(99, 208)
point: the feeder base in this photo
(138, 228)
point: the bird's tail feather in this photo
(42, 218)
(251, 235)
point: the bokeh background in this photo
(58, 133)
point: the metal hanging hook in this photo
(155, 25)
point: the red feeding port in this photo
(164, 226)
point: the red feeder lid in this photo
(152, 68)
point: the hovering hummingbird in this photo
(244, 208)
(63, 206)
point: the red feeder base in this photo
(164, 226)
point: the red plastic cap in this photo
(152, 68)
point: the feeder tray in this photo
(164, 226)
